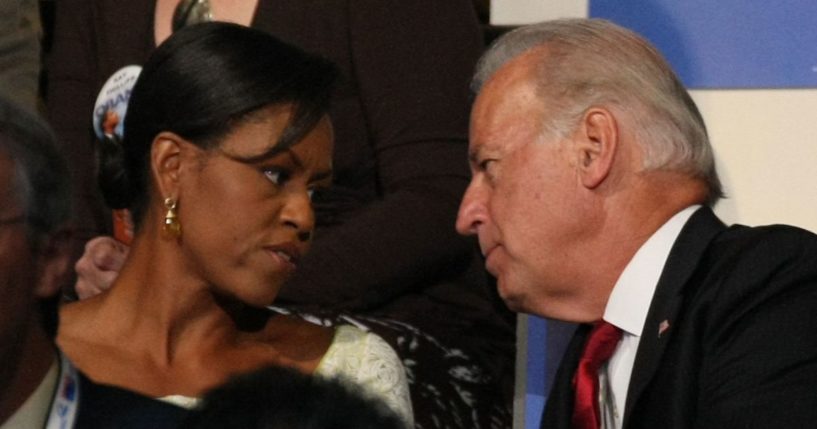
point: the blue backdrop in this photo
(727, 43)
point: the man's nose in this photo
(472, 211)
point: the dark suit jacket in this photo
(108, 407)
(741, 348)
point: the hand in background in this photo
(99, 266)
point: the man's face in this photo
(521, 201)
(17, 271)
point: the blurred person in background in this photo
(20, 33)
(39, 386)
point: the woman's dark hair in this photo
(202, 82)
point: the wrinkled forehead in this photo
(507, 104)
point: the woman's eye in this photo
(316, 192)
(277, 177)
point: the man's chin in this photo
(512, 300)
(514, 306)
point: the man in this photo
(38, 387)
(592, 184)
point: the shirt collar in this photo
(632, 294)
(34, 411)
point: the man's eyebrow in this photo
(473, 155)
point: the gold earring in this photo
(172, 228)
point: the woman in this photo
(385, 245)
(226, 139)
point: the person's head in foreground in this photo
(280, 398)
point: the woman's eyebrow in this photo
(321, 175)
(272, 152)
(318, 176)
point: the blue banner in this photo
(727, 43)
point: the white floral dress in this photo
(365, 359)
(359, 358)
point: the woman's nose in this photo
(298, 214)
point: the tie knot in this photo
(601, 344)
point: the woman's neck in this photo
(162, 330)
(155, 297)
(157, 321)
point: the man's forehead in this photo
(511, 88)
(508, 104)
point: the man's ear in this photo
(54, 264)
(165, 162)
(597, 141)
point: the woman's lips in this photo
(287, 254)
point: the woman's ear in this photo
(165, 162)
(597, 141)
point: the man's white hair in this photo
(583, 63)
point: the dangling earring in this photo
(172, 228)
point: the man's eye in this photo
(488, 166)
(489, 169)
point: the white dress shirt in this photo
(627, 309)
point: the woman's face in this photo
(247, 223)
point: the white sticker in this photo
(112, 102)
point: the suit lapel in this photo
(687, 251)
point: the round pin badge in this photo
(112, 102)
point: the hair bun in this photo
(112, 176)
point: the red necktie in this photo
(598, 349)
